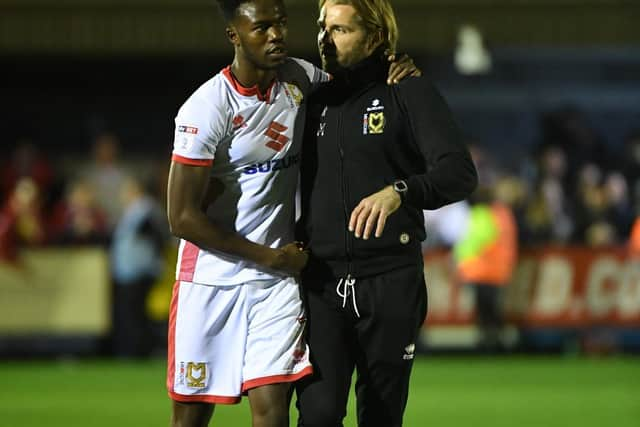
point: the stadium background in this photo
(563, 74)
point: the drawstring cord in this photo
(346, 287)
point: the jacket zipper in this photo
(345, 193)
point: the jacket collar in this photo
(373, 69)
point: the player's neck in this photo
(249, 76)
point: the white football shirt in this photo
(253, 142)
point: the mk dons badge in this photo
(373, 121)
(294, 94)
(376, 123)
(196, 375)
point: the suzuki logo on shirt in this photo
(277, 139)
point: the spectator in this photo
(78, 219)
(26, 162)
(136, 262)
(20, 220)
(487, 254)
(106, 175)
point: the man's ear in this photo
(232, 34)
(374, 41)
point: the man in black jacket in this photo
(374, 157)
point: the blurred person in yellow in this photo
(487, 254)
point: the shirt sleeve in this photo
(450, 173)
(199, 128)
(315, 74)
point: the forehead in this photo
(338, 14)
(261, 10)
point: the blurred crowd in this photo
(574, 187)
(99, 201)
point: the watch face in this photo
(400, 186)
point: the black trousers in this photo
(379, 345)
(132, 329)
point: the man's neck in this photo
(249, 76)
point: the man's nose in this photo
(276, 32)
(323, 37)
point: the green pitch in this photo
(492, 392)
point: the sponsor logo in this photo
(409, 351)
(321, 129)
(188, 129)
(196, 374)
(272, 165)
(238, 122)
(277, 140)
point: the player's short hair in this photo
(229, 8)
(377, 15)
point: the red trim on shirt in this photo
(188, 261)
(191, 162)
(206, 398)
(276, 379)
(171, 354)
(247, 91)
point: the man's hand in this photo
(373, 211)
(290, 258)
(401, 68)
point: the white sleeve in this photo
(315, 74)
(200, 126)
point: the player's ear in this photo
(232, 34)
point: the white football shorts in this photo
(226, 340)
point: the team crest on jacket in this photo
(373, 121)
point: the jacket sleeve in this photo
(450, 173)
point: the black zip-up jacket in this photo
(360, 136)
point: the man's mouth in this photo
(277, 50)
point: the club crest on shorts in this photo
(373, 120)
(196, 374)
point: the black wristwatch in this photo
(400, 186)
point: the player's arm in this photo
(186, 192)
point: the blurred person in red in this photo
(78, 219)
(107, 175)
(487, 255)
(21, 222)
(26, 161)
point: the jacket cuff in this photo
(416, 191)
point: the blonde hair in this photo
(377, 15)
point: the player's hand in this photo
(291, 258)
(372, 212)
(400, 68)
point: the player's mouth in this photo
(277, 52)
